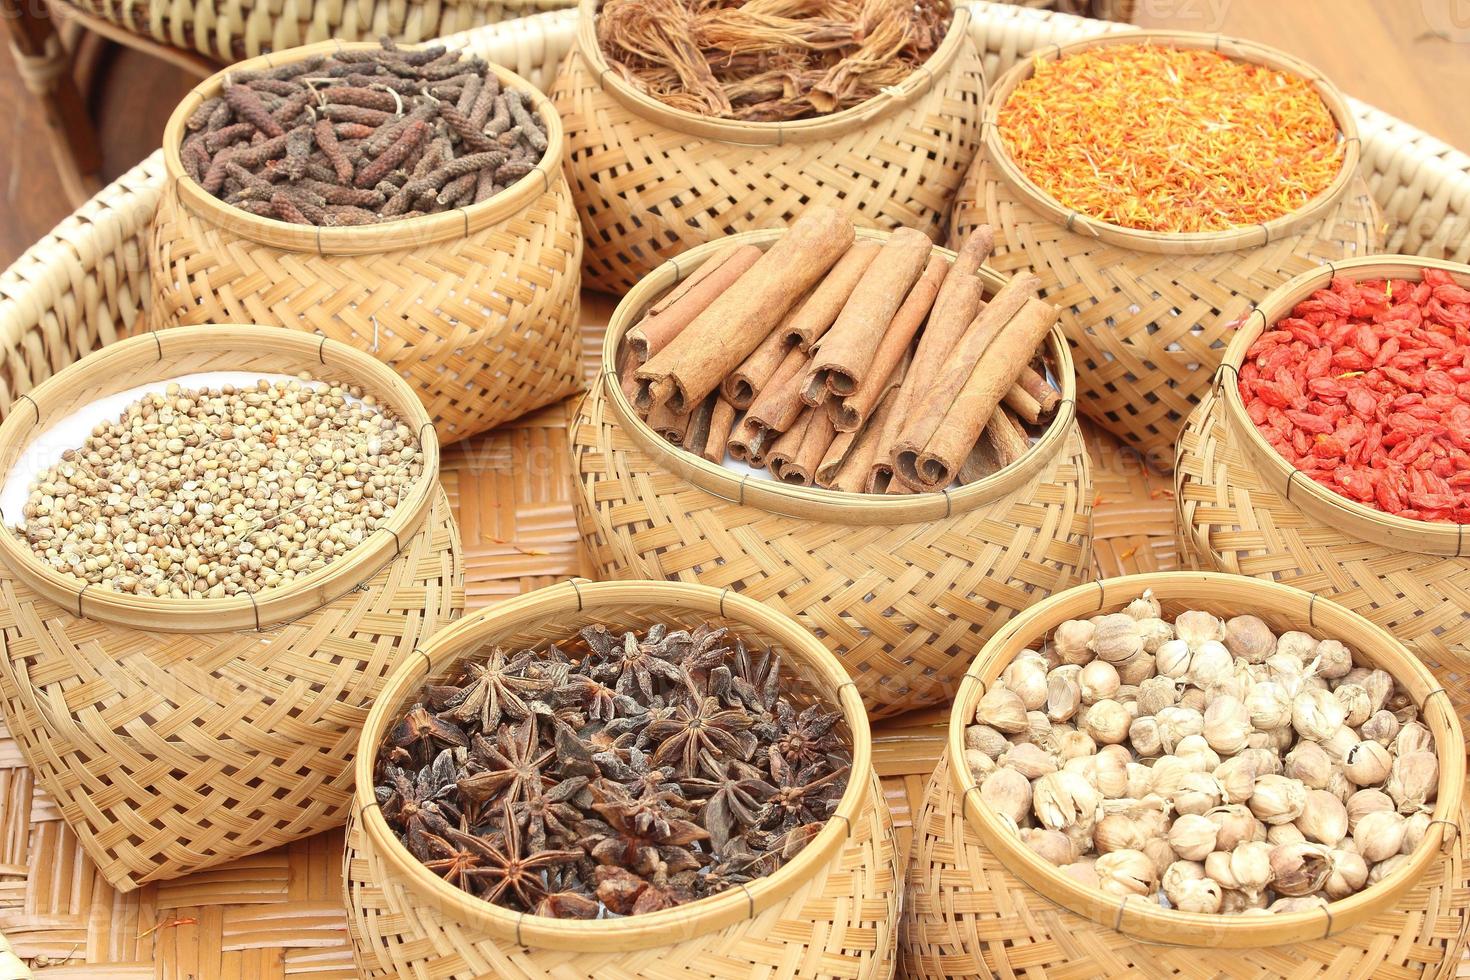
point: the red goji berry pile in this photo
(1365, 388)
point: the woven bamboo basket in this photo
(651, 181)
(1243, 508)
(476, 307)
(176, 734)
(1148, 314)
(830, 912)
(903, 589)
(982, 904)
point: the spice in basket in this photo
(1171, 139)
(765, 61)
(210, 493)
(363, 136)
(1365, 388)
(849, 364)
(1209, 765)
(614, 775)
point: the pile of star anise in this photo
(615, 775)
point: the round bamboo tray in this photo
(476, 307)
(830, 912)
(1148, 314)
(981, 902)
(1243, 508)
(176, 734)
(651, 181)
(903, 589)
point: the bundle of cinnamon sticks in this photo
(853, 364)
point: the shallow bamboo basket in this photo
(476, 307)
(1243, 508)
(830, 912)
(903, 589)
(1148, 313)
(982, 903)
(179, 733)
(651, 181)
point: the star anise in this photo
(406, 797)
(509, 769)
(508, 870)
(699, 725)
(806, 737)
(639, 832)
(626, 893)
(451, 854)
(733, 801)
(421, 734)
(546, 812)
(802, 795)
(494, 688)
(757, 678)
(637, 665)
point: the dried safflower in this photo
(1413, 780)
(1002, 709)
(1278, 799)
(1379, 835)
(1127, 873)
(1367, 764)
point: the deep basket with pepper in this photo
(615, 774)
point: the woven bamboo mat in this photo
(278, 913)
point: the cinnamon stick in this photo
(851, 471)
(721, 421)
(747, 380)
(786, 447)
(813, 317)
(678, 308)
(802, 468)
(849, 414)
(627, 364)
(954, 308)
(668, 424)
(1007, 436)
(1023, 404)
(842, 357)
(930, 409)
(779, 402)
(747, 444)
(881, 468)
(1034, 383)
(699, 423)
(726, 332)
(936, 465)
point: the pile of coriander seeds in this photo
(1208, 764)
(216, 492)
(363, 136)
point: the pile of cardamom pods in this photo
(1208, 764)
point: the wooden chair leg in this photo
(45, 69)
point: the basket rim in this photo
(920, 82)
(268, 607)
(815, 503)
(1198, 242)
(1331, 508)
(1144, 919)
(655, 928)
(384, 236)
